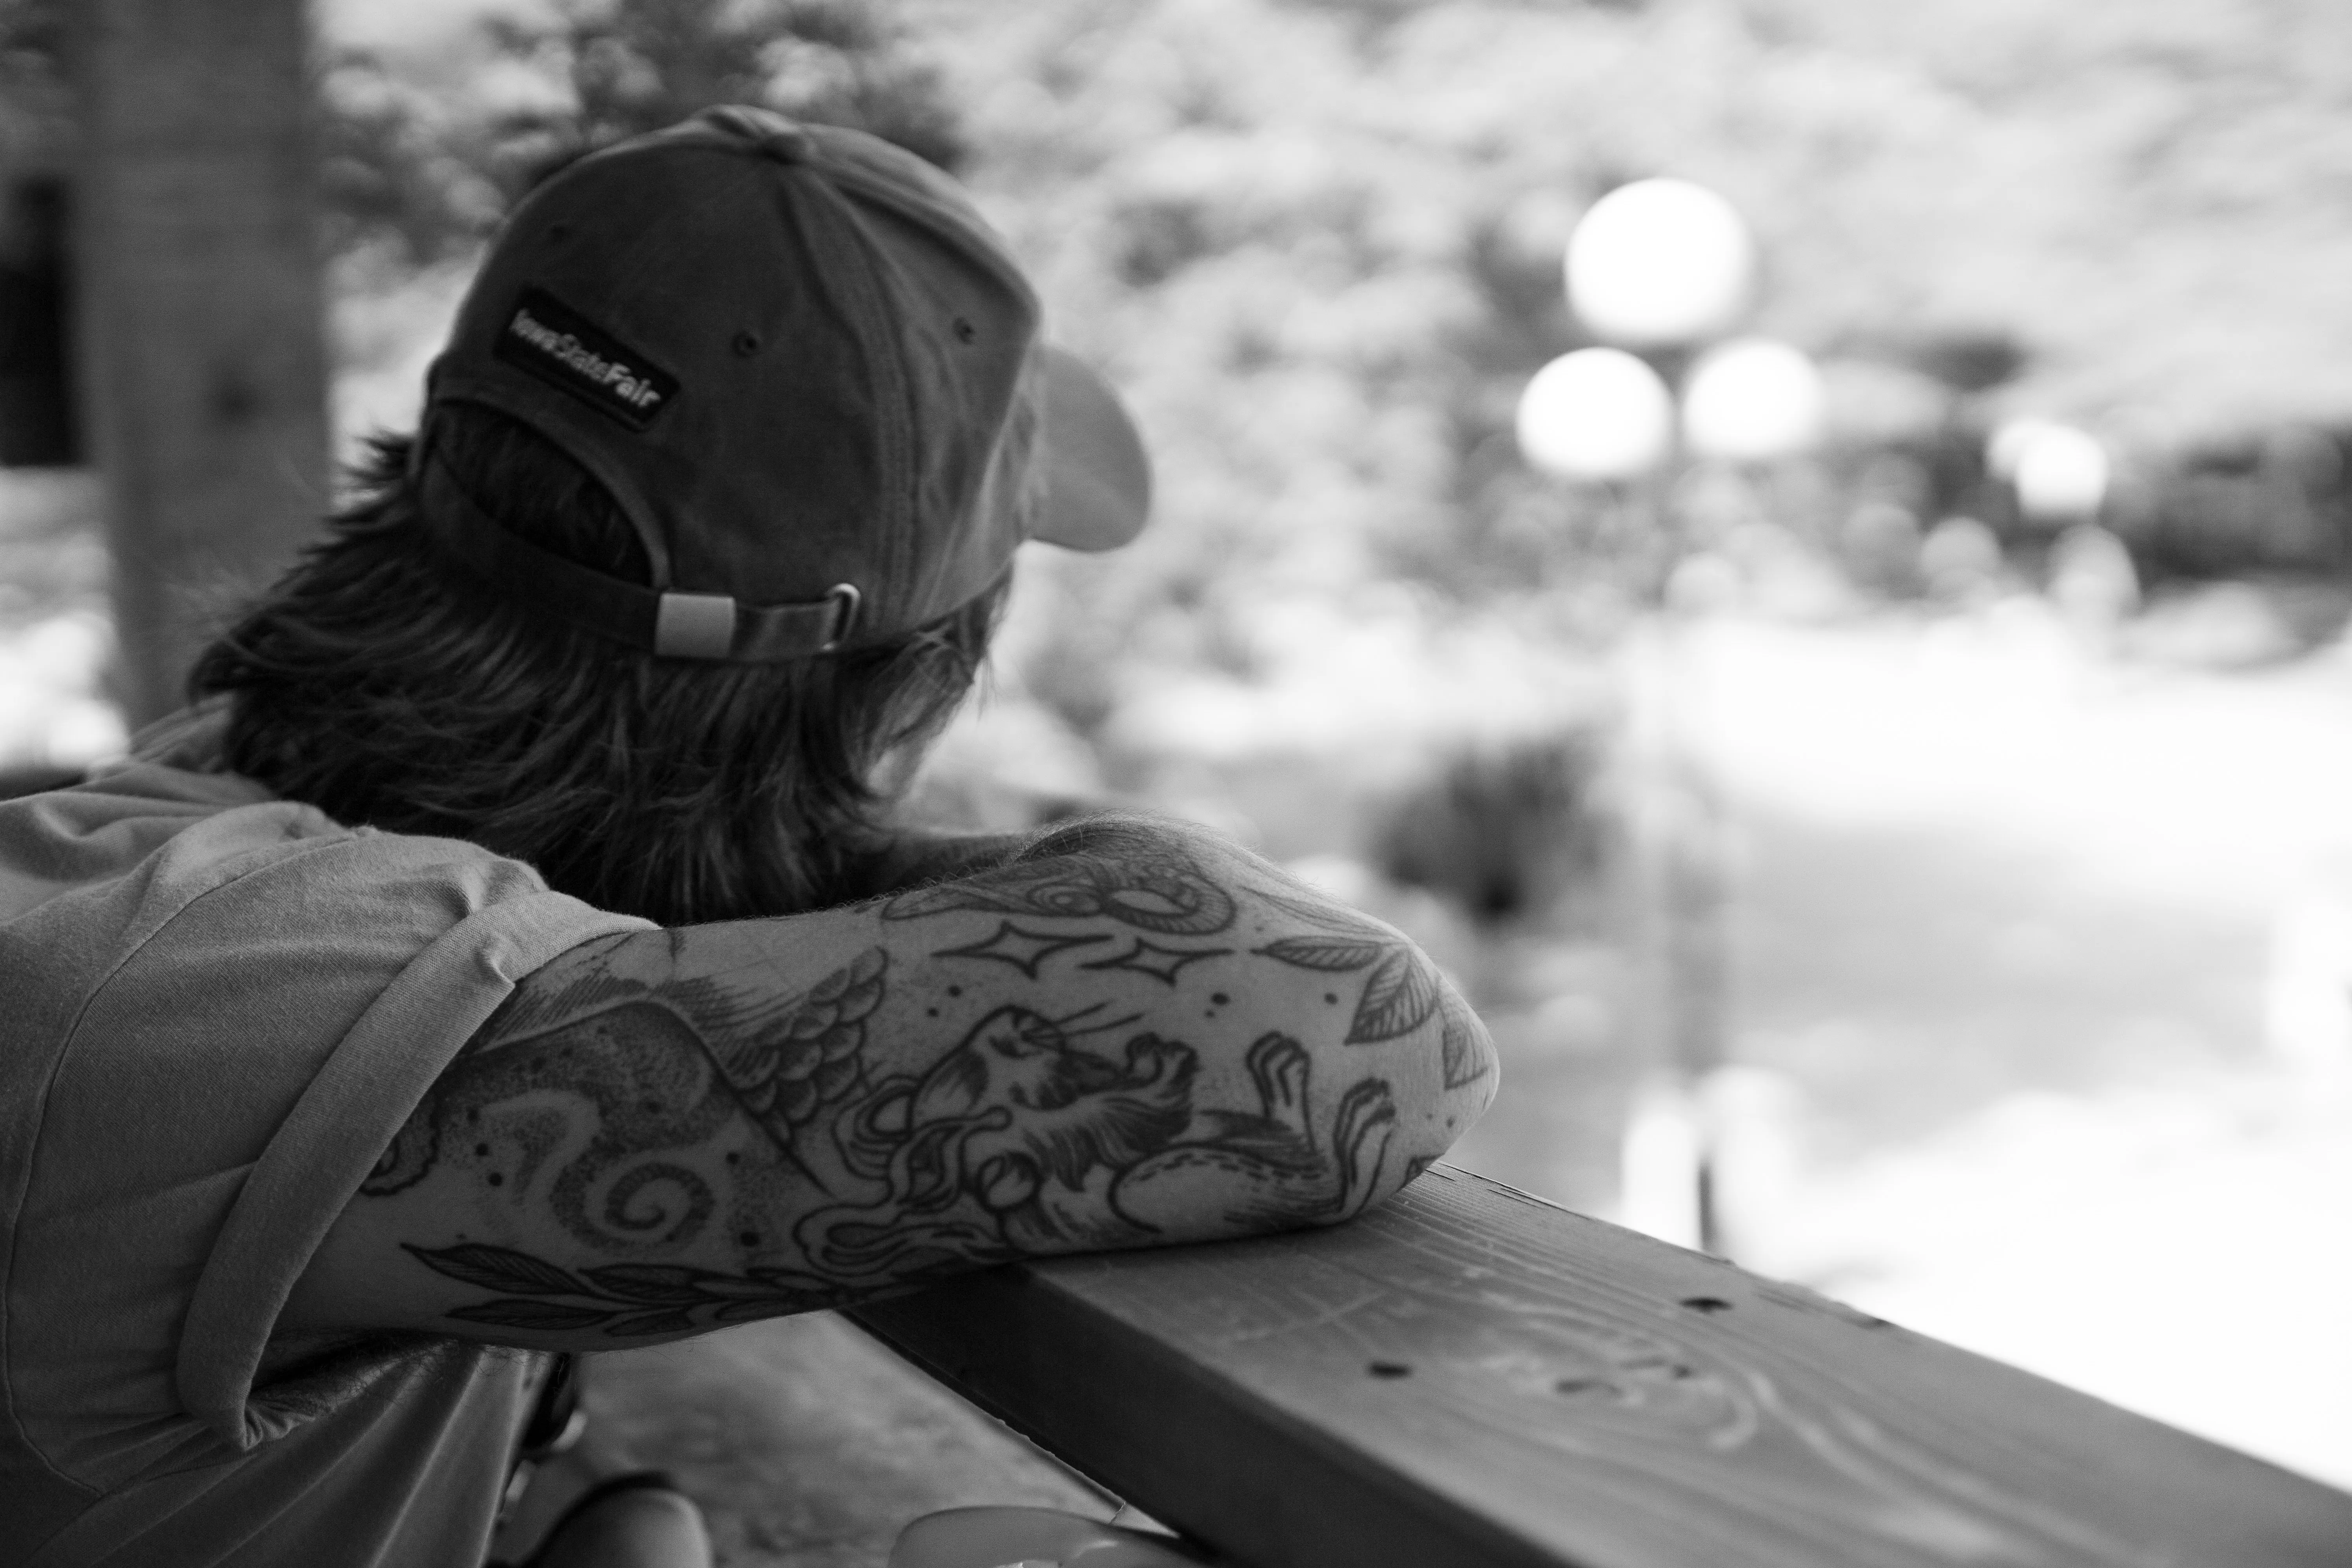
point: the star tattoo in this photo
(1025, 950)
(1163, 963)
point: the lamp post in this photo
(1660, 270)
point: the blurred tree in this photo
(38, 423)
(639, 64)
(1967, 360)
(199, 312)
(37, 418)
(428, 174)
(32, 86)
(1318, 241)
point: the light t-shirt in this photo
(216, 1010)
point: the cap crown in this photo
(796, 356)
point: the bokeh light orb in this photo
(1596, 413)
(1752, 400)
(2059, 473)
(2008, 442)
(1659, 262)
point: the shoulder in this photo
(216, 1026)
(178, 918)
(132, 850)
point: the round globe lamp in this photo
(2059, 473)
(1659, 263)
(1596, 414)
(1753, 400)
(2008, 442)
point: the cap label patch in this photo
(561, 346)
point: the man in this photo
(511, 952)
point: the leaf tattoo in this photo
(622, 1299)
(1398, 999)
(1332, 954)
(500, 1268)
(1402, 990)
(1458, 1044)
(548, 1317)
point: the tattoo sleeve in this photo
(1126, 1034)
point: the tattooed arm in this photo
(1128, 1033)
(911, 857)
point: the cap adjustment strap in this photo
(769, 634)
(672, 625)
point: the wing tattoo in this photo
(663, 1064)
(786, 1059)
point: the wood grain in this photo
(1473, 1376)
(807, 1445)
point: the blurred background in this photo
(1801, 547)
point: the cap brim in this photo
(1097, 475)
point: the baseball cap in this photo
(807, 371)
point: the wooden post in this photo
(199, 306)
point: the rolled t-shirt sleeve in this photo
(283, 994)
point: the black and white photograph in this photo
(1175, 783)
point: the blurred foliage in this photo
(640, 66)
(1318, 242)
(1506, 832)
(426, 160)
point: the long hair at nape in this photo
(384, 687)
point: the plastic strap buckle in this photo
(714, 626)
(694, 625)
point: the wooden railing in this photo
(1470, 1376)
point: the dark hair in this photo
(383, 686)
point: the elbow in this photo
(1429, 1086)
(1461, 1074)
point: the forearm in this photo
(1125, 1034)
